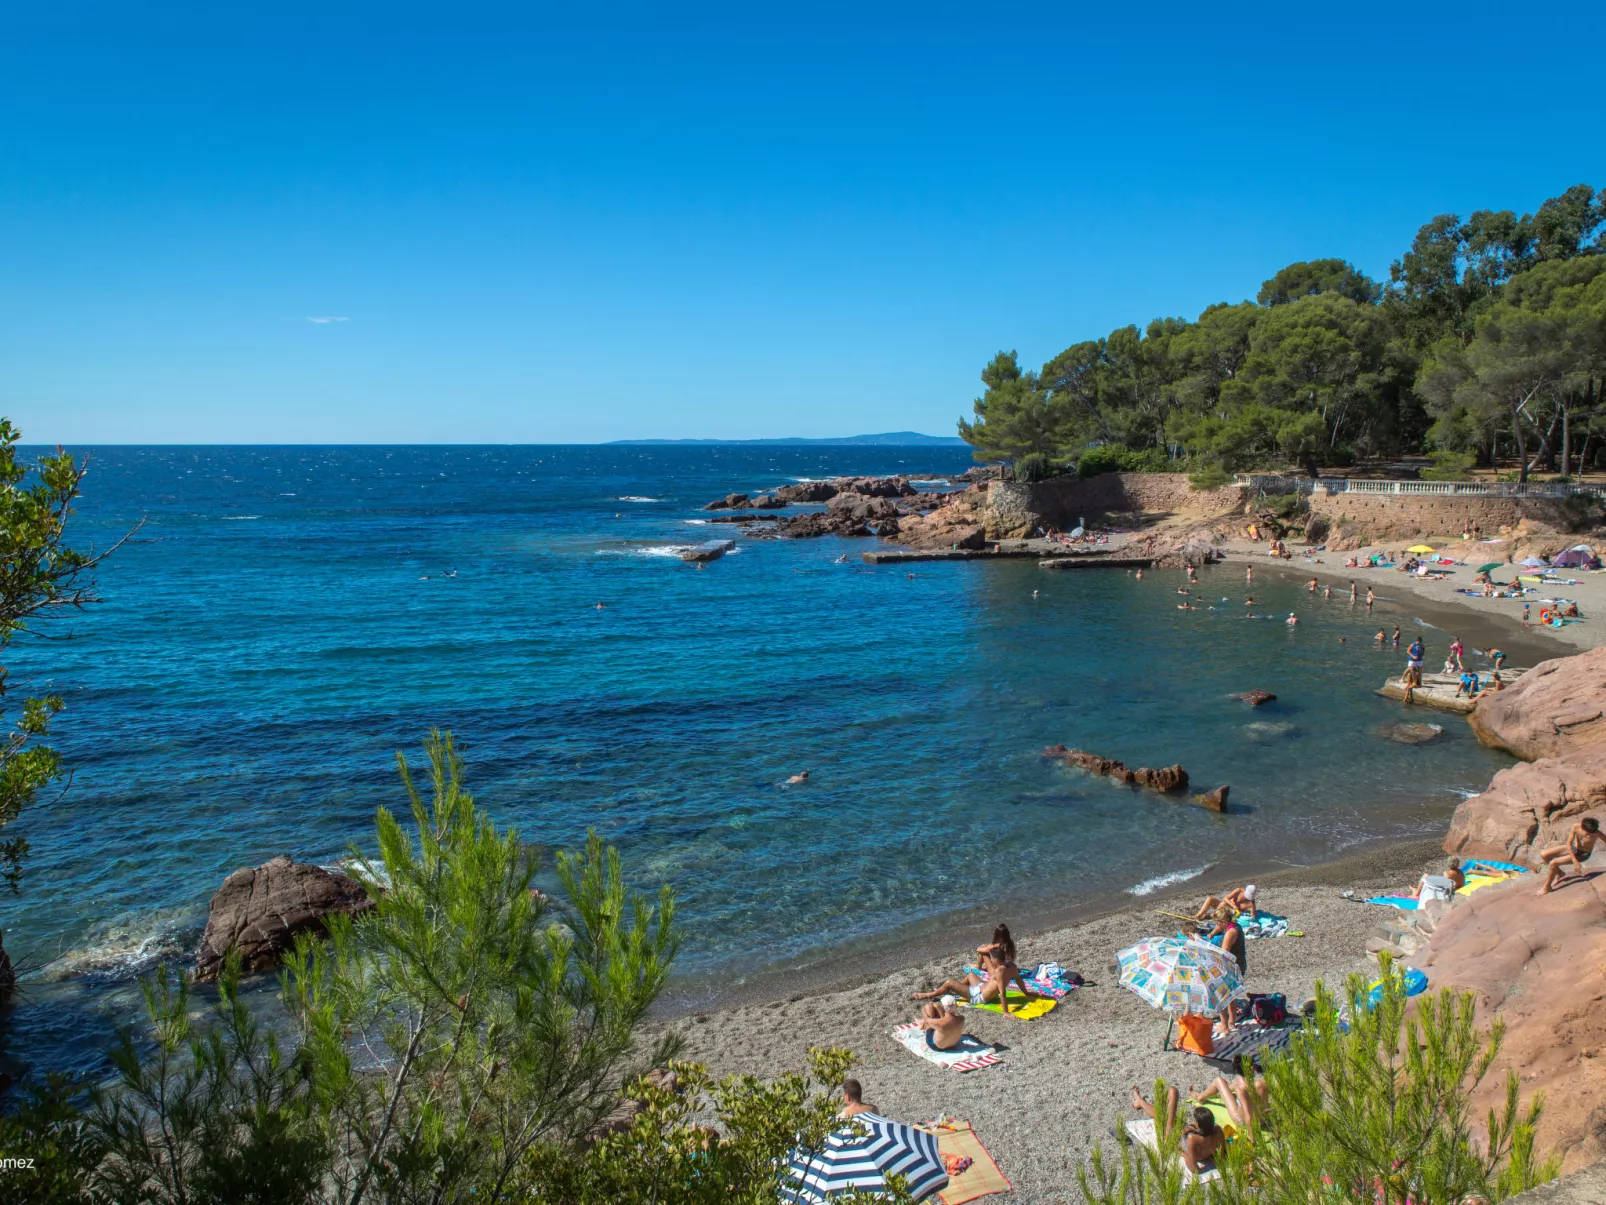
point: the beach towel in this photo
(957, 1141)
(1051, 979)
(1020, 1007)
(1142, 1132)
(1488, 863)
(971, 1054)
(1250, 1041)
(1404, 902)
(1264, 925)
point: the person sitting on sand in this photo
(853, 1100)
(1201, 1140)
(1441, 886)
(1239, 899)
(1581, 843)
(1246, 1102)
(940, 1020)
(990, 987)
(1496, 682)
(1001, 946)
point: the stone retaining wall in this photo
(1014, 509)
(1359, 519)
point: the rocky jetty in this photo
(1167, 780)
(260, 910)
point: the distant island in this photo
(887, 439)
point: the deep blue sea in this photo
(287, 619)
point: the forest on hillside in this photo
(1486, 345)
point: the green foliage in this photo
(1450, 466)
(1284, 506)
(1372, 1102)
(442, 1035)
(45, 1128)
(668, 1156)
(1035, 467)
(1211, 477)
(42, 578)
(1110, 459)
(1330, 365)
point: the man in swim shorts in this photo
(940, 1020)
(987, 988)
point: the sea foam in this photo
(1150, 886)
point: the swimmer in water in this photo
(602, 606)
(1327, 593)
(843, 559)
(1250, 601)
(1139, 575)
(1343, 639)
(1380, 637)
(798, 779)
(1396, 635)
(1034, 593)
(1292, 619)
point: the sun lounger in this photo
(972, 1054)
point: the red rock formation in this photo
(1166, 779)
(1527, 808)
(1556, 709)
(1539, 963)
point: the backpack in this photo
(1269, 1009)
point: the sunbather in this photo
(1245, 1102)
(853, 1099)
(1002, 942)
(1580, 845)
(942, 1024)
(1202, 1138)
(1240, 898)
(988, 988)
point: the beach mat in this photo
(1404, 902)
(972, 1054)
(1142, 1131)
(1020, 1008)
(1249, 1041)
(981, 1179)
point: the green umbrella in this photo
(1491, 565)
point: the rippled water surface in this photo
(287, 620)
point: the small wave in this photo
(635, 498)
(1150, 886)
(928, 481)
(228, 517)
(1465, 794)
(654, 550)
(128, 945)
(696, 522)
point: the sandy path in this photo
(1066, 1077)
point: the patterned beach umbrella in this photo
(1181, 975)
(862, 1157)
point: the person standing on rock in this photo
(1413, 667)
(1456, 649)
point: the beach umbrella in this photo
(1419, 548)
(1181, 975)
(1490, 566)
(1533, 562)
(861, 1155)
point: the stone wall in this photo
(1360, 519)
(1016, 509)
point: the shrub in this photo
(1369, 1102)
(1035, 467)
(1212, 476)
(1450, 466)
(1107, 458)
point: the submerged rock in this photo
(1215, 800)
(1255, 697)
(1411, 734)
(259, 911)
(1167, 779)
(1266, 730)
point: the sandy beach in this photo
(1066, 1077)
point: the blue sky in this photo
(544, 225)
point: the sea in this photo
(284, 621)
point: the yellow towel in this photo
(1020, 1007)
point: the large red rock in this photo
(259, 912)
(1556, 709)
(1539, 963)
(1527, 808)
(951, 526)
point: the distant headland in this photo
(887, 439)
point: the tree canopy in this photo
(1484, 340)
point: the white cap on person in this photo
(949, 1001)
(1249, 891)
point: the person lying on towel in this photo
(1202, 1138)
(940, 1020)
(1240, 899)
(999, 972)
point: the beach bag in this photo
(1194, 1034)
(1436, 887)
(1268, 1009)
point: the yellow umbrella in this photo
(1419, 548)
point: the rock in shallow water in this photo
(1255, 697)
(259, 911)
(1411, 734)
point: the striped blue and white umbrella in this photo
(862, 1157)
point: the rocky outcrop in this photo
(1535, 962)
(1411, 734)
(1167, 779)
(1215, 800)
(730, 502)
(259, 911)
(806, 491)
(1527, 808)
(821, 523)
(955, 524)
(1255, 698)
(1556, 709)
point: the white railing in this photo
(1271, 484)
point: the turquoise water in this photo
(285, 623)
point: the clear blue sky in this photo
(604, 221)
